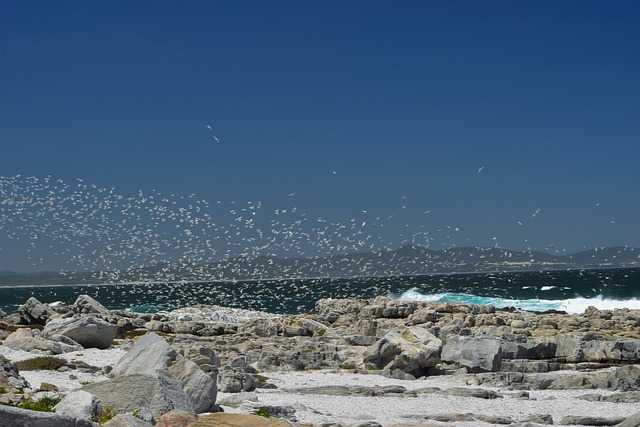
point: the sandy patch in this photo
(73, 378)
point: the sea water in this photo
(570, 291)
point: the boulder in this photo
(77, 404)
(410, 349)
(126, 393)
(474, 354)
(30, 340)
(126, 420)
(35, 313)
(89, 332)
(16, 417)
(152, 354)
(86, 305)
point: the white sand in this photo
(64, 380)
(317, 408)
(386, 410)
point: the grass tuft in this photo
(49, 363)
(44, 404)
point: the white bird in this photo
(480, 169)
(216, 138)
(209, 127)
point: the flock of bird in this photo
(99, 230)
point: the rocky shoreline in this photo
(366, 355)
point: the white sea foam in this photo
(571, 305)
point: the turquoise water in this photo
(570, 291)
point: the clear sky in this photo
(483, 123)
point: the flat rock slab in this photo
(16, 417)
(222, 419)
(591, 421)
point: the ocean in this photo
(571, 291)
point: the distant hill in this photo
(408, 260)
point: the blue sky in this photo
(386, 107)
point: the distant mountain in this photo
(408, 260)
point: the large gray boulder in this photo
(35, 312)
(16, 417)
(30, 340)
(410, 349)
(126, 393)
(152, 354)
(474, 354)
(89, 332)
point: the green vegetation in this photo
(263, 412)
(44, 404)
(49, 363)
(3, 390)
(104, 415)
(321, 332)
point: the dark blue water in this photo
(561, 290)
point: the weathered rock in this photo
(532, 349)
(9, 375)
(631, 421)
(450, 417)
(152, 354)
(77, 404)
(126, 420)
(237, 399)
(474, 354)
(176, 418)
(30, 340)
(16, 417)
(126, 393)
(35, 312)
(538, 419)
(480, 393)
(493, 419)
(89, 332)
(410, 349)
(621, 397)
(590, 421)
(232, 380)
(86, 305)
(222, 419)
